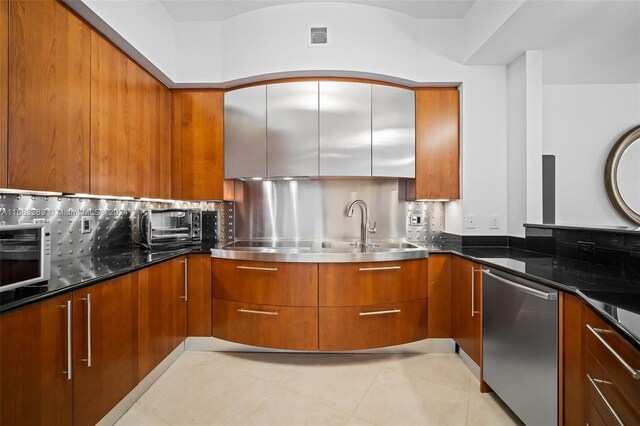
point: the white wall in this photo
(517, 146)
(198, 52)
(144, 24)
(580, 124)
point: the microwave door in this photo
(20, 256)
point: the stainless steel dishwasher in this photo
(520, 345)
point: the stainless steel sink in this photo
(319, 251)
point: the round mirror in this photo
(622, 175)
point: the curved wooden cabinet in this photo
(372, 326)
(281, 327)
(355, 284)
(268, 283)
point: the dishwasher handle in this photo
(524, 288)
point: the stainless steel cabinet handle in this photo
(473, 292)
(88, 358)
(390, 311)
(186, 274)
(69, 366)
(380, 268)
(250, 311)
(596, 332)
(524, 288)
(256, 268)
(595, 383)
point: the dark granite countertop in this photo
(72, 274)
(612, 292)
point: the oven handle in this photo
(524, 288)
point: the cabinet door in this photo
(160, 169)
(161, 313)
(345, 129)
(36, 386)
(245, 132)
(437, 144)
(466, 311)
(105, 346)
(199, 295)
(393, 145)
(199, 150)
(4, 89)
(49, 88)
(292, 129)
(439, 298)
(129, 125)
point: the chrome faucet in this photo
(365, 229)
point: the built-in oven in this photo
(25, 254)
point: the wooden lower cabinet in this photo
(439, 299)
(199, 295)
(597, 387)
(466, 282)
(36, 386)
(268, 283)
(105, 346)
(362, 327)
(281, 327)
(161, 312)
(357, 284)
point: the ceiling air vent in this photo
(318, 37)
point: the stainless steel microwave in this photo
(25, 254)
(170, 227)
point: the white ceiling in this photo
(219, 10)
(583, 41)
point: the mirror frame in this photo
(611, 174)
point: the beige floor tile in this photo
(283, 407)
(273, 367)
(399, 399)
(445, 369)
(338, 380)
(192, 392)
(137, 415)
(356, 421)
(487, 409)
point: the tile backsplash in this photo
(114, 223)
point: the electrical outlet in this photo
(493, 222)
(470, 221)
(416, 220)
(85, 225)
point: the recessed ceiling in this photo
(219, 10)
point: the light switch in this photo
(494, 223)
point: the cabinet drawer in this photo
(356, 284)
(349, 328)
(268, 283)
(281, 327)
(598, 331)
(610, 393)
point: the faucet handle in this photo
(373, 229)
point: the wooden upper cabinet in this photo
(198, 138)
(4, 90)
(437, 145)
(49, 97)
(130, 126)
(160, 139)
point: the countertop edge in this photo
(4, 308)
(628, 336)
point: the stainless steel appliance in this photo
(170, 227)
(520, 345)
(25, 254)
